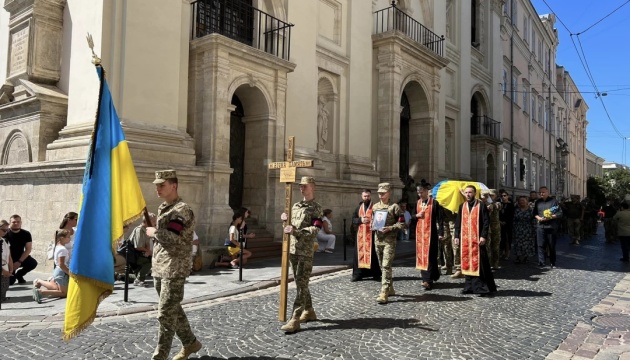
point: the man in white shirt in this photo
(404, 235)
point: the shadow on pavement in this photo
(429, 298)
(521, 293)
(206, 357)
(369, 323)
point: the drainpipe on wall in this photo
(549, 117)
(512, 94)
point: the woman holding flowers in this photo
(546, 212)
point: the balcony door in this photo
(231, 18)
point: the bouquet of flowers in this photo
(551, 211)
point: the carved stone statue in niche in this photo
(322, 124)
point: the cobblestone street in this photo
(532, 314)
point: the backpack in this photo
(125, 245)
(50, 250)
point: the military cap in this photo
(307, 180)
(163, 175)
(384, 187)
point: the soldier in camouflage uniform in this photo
(494, 208)
(170, 266)
(449, 237)
(306, 220)
(385, 239)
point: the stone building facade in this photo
(213, 88)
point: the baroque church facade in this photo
(373, 92)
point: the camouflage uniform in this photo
(449, 239)
(446, 245)
(386, 242)
(304, 214)
(170, 266)
(495, 235)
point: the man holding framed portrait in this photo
(388, 221)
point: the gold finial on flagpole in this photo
(95, 59)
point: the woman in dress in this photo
(523, 230)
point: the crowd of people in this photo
(470, 243)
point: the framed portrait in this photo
(379, 217)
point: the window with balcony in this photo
(240, 21)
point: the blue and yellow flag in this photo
(449, 193)
(111, 198)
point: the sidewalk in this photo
(607, 336)
(205, 285)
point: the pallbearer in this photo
(429, 232)
(387, 221)
(471, 232)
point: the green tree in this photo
(595, 190)
(617, 184)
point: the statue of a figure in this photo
(322, 124)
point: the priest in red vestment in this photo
(471, 232)
(429, 232)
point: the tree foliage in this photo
(595, 190)
(614, 184)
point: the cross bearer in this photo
(306, 220)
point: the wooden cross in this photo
(288, 169)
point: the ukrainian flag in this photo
(111, 198)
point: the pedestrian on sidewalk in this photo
(171, 265)
(7, 262)
(622, 218)
(385, 238)
(326, 237)
(58, 286)
(365, 262)
(306, 221)
(234, 242)
(575, 218)
(69, 222)
(21, 247)
(143, 246)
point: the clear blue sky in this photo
(607, 50)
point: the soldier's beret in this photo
(163, 175)
(384, 187)
(307, 180)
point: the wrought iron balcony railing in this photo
(392, 18)
(483, 125)
(244, 23)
